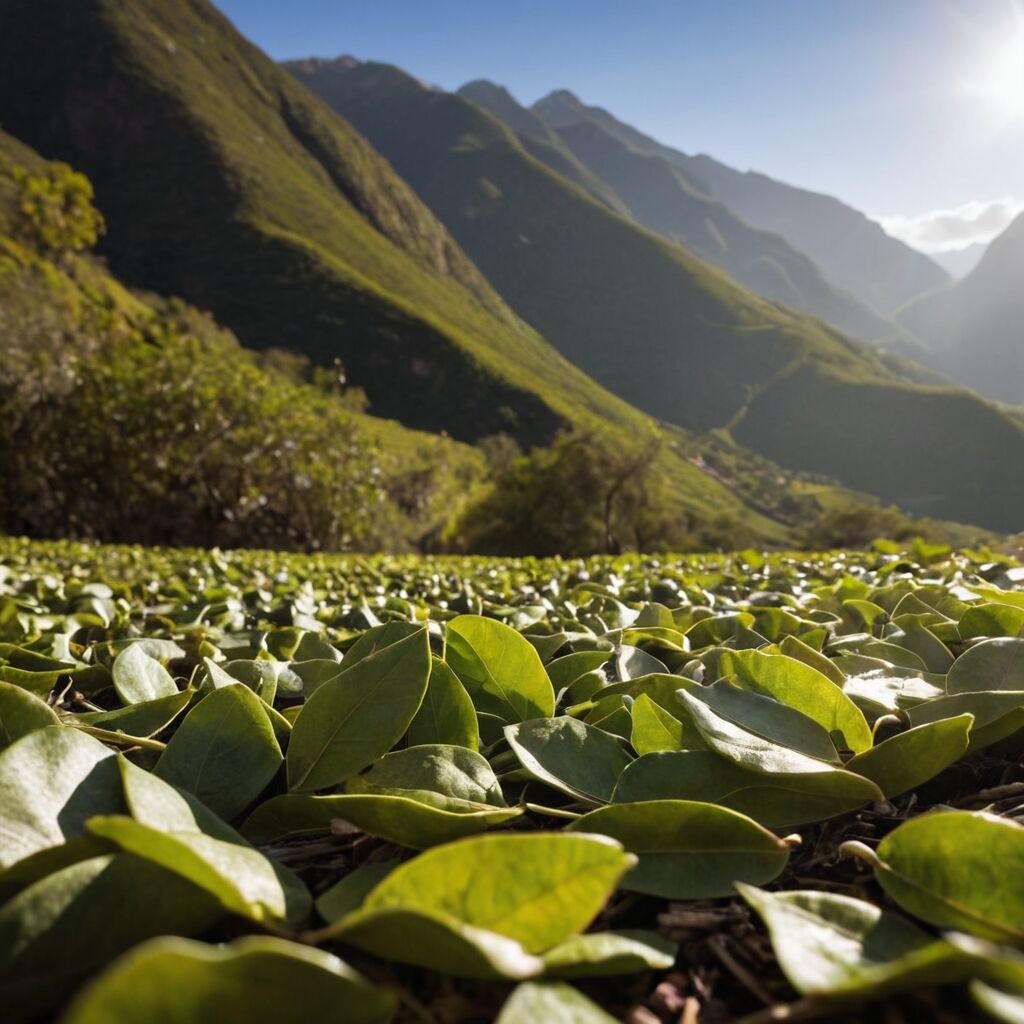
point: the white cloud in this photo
(947, 230)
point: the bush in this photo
(170, 439)
(55, 209)
(583, 495)
(857, 526)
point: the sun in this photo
(1003, 80)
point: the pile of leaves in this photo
(263, 787)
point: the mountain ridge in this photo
(851, 250)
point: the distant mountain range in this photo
(851, 250)
(665, 330)
(662, 195)
(502, 270)
(975, 327)
(960, 262)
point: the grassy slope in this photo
(666, 331)
(225, 181)
(974, 325)
(851, 250)
(53, 306)
(661, 197)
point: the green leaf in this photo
(57, 932)
(51, 782)
(437, 768)
(773, 800)
(357, 717)
(769, 719)
(654, 728)
(349, 892)
(569, 755)
(143, 720)
(436, 941)
(253, 980)
(992, 620)
(500, 669)
(836, 946)
(955, 869)
(552, 1002)
(989, 665)
(793, 647)
(171, 828)
(138, 677)
(409, 820)
(447, 714)
(599, 954)
(802, 687)
(21, 713)
(224, 752)
(909, 759)
(535, 888)
(688, 850)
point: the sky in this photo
(910, 110)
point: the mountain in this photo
(538, 140)
(666, 331)
(960, 262)
(662, 197)
(849, 249)
(226, 182)
(976, 325)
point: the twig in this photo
(739, 972)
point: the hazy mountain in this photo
(539, 140)
(665, 330)
(976, 326)
(960, 262)
(848, 248)
(661, 196)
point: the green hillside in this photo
(225, 182)
(664, 330)
(662, 197)
(850, 250)
(974, 326)
(124, 416)
(235, 188)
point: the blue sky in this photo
(908, 109)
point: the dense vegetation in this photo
(723, 787)
(133, 418)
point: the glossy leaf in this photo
(357, 717)
(500, 670)
(944, 868)
(802, 687)
(51, 782)
(688, 850)
(21, 713)
(447, 714)
(443, 769)
(654, 728)
(253, 980)
(412, 820)
(990, 665)
(224, 752)
(139, 677)
(909, 759)
(599, 954)
(832, 945)
(569, 755)
(773, 800)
